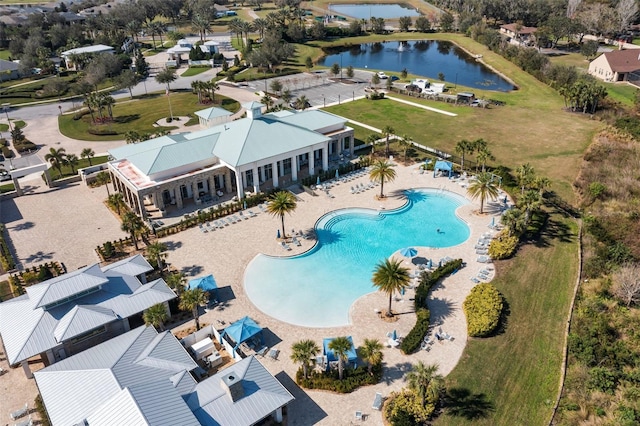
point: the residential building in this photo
(142, 378)
(69, 55)
(75, 311)
(618, 65)
(519, 34)
(247, 155)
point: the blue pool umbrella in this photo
(493, 222)
(430, 264)
(243, 330)
(402, 291)
(409, 252)
(245, 204)
(337, 174)
(394, 335)
(207, 283)
(318, 181)
(278, 234)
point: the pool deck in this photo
(226, 252)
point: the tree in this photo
(308, 63)
(267, 101)
(530, 202)
(626, 284)
(191, 299)
(126, 80)
(405, 143)
(340, 347)
(404, 23)
(116, 202)
(142, 67)
(302, 352)
(88, 153)
(72, 161)
(276, 86)
(589, 48)
(132, 224)
(103, 178)
(423, 380)
(281, 203)
(371, 353)
(166, 76)
(157, 252)
(446, 22)
(404, 73)
(390, 277)
(387, 131)
(483, 187)
(462, 147)
(626, 10)
(483, 155)
(350, 71)
(302, 102)
(382, 172)
(525, 176)
(375, 80)
(156, 316)
(335, 69)
(176, 282)
(56, 157)
(422, 24)
(201, 25)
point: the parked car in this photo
(394, 78)
(4, 176)
(412, 88)
(368, 89)
(382, 75)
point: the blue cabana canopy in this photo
(243, 330)
(446, 166)
(351, 354)
(207, 283)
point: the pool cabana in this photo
(352, 356)
(244, 330)
(444, 166)
(207, 284)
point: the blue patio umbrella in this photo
(278, 234)
(207, 283)
(337, 174)
(409, 252)
(394, 335)
(245, 204)
(402, 291)
(493, 222)
(430, 264)
(318, 181)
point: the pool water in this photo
(367, 11)
(317, 288)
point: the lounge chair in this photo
(483, 259)
(475, 280)
(359, 416)
(353, 191)
(296, 241)
(19, 412)
(285, 246)
(262, 351)
(236, 218)
(377, 401)
(26, 422)
(229, 220)
(210, 227)
(251, 213)
(203, 229)
(273, 354)
(219, 224)
(262, 208)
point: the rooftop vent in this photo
(232, 384)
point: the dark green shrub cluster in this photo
(42, 411)
(503, 247)
(427, 281)
(36, 274)
(483, 308)
(113, 250)
(101, 132)
(25, 145)
(6, 258)
(375, 95)
(352, 379)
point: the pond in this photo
(426, 58)
(366, 11)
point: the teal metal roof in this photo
(312, 119)
(213, 112)
(169, 157)
(252, 105)
(126, 151)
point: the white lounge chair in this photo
(359, 416)
(285, 246)
(377, 401)
(19, 412)
(273, 354)
(251, 213)
(26, 422)
(296, 241)
(203, 229)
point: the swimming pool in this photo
(317, 288)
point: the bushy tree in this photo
(503, 247)
(483, 308)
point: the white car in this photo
(382, 75)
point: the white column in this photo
(26, 369)
(276, 171)
(279, 415)
(351, 143)
(294, 167)
(312, 170)
(325, 158)
(239, 187)
(262, 175)
(256, 180)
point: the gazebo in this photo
(243, 330)
(352, 356)
(443, 166)
(207, 284)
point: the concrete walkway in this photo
(428, 108)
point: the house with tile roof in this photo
(618, 65)
(261, 151)
(519, 34)
(75, 311)
(144, 377)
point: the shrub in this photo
(503, 247)
(404, 408)
(352, 379)
(483, 307)
(101, 132)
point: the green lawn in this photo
(622, 92)
(194, 71)
(139, 115)
(68, 171)
(6, 188)
(17, 123)
(513, 377)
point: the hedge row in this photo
(6, 258)
(352, 379)
(428, 279)
(483, 308)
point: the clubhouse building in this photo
(261, 151)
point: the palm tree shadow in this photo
(23, 226)
(396, 372)
(172, 245)
(192, 270)
(328, 236)
(460, 402)
(439, 309)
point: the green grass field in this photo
(139, 115)
(194, 71)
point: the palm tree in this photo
(88, 153)
(390, 277)
(282, 202)
(166, 76)
(524, 175)
(382, 172)
(483, 156)
(530, 202)
(116, 202)
(340, 347)
(387, 131)
(157, 252)
(201, 24)
(132, 224)
(483, 187)
(56, 157)
(462, 147)
(302, 102)
(302, 352)
(424, 381)
(405, 144)
(156, 316)
(286, 96)
(176, 282)
(371, 353)
(103, 178)
(372, 139)
(267, 101)
(211, 88)
(191, 299)
(72, 161)
(260, 25)
(541, 183)
(513, 221)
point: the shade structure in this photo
(446, 166)
(351, 353)
(318, 181)
(337, 174)
(493, 222)
(243, 330)
(430, 264)
(409, 252)
(207, 283)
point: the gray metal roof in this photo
(313, 119)
(66, 285)
(263, 394)
(90, 384)
(213, 112)
(133, 266)
(27, 331)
